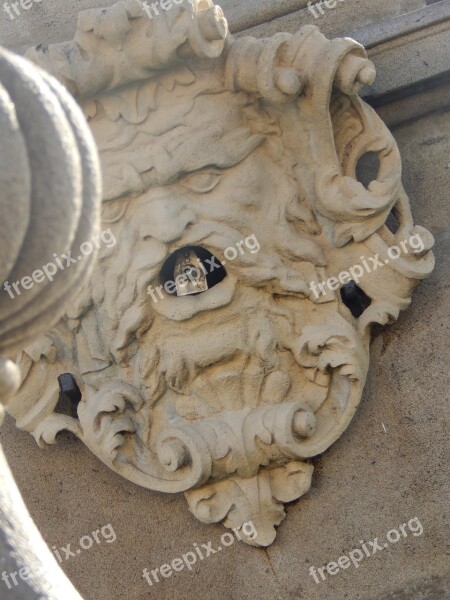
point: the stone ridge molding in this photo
(242, 14)
(398, 27)
(205, 140)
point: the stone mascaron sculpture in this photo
(206, 141)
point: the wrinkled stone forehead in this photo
(153, 133)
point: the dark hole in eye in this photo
(201, 269)
(367, 168)
(355, 299)
(392, 222)
(69, 395)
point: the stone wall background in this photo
(53, 21)
(370, 481)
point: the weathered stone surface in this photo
(435, 589)
(412, 49)
(346, 16)
(405, 24)
(53, 21)
(293, 355)
(430, 48)
(379, 479)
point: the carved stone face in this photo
(225, 394)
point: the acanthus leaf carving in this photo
(257, 499)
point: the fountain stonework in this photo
(229, 392)
(205, 141)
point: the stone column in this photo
(49, 202)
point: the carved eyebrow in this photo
(208, 167)
(147, 176)
(225, 151)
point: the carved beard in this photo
(284, 265)
(239, 344)
(252, 363)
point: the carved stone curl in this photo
(209, 143)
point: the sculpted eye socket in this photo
(203, 181)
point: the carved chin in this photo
(219, 455)
(185, 307)
(219, 431)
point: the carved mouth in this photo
(191, 270)
(191, 280)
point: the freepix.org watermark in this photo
(13, 9)
(316, 8)
(208, 266)
(368, 549)
(202, 551)
(49, 270)
(356, 272)
(152, 8)
(85, 543)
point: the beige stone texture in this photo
(367, 483)
(53, 21)
(229, 412)
(346, 16)
(387, 468)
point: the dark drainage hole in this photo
(69, 395)
(191, 270)
(392, 222)
(355, 299)
(367, 168)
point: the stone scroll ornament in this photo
(240, 154)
